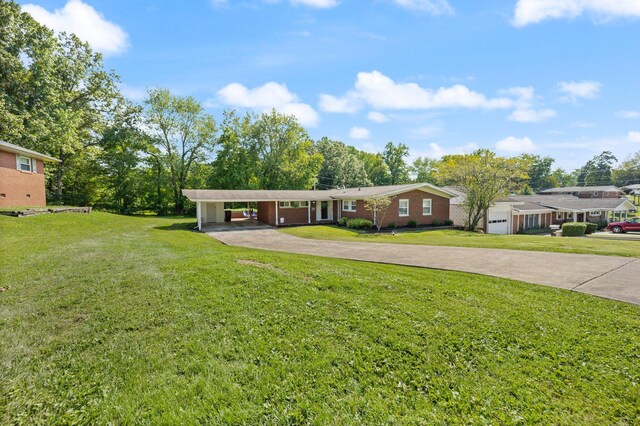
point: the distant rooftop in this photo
(568, 189)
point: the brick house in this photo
(424, 203)
(608, 191)
(22, 176)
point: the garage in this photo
(498, 221)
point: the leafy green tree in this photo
(285, 152)
(378, 207)
(394, 156)
(424, 170)
(375, 167)
(597, 171)
(483, 177)
(184, 135)
(628, 172)
(341, 166)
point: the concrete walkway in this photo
(612, 277)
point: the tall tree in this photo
(424, 170)
(341, 166)
(375, 167)
(285, 151)
(394, 156)
(483, 177)
(539, 171)
(185, 134)
(628, 172)
(597, 171)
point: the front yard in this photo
(583, 245)
(138, 320)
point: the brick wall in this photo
(267, 212)
(18, 188)
(439, 209)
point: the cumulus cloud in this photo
(516, 145)
(268, 96)
(359, 133)
(574, 90)
(434, 7)
(378, 117)
(534, 11)
(85, 22)
(633, 137)
(382, 93)
(628, 114)
(344, 104)
(531, 115)
(319, 4)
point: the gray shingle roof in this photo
(567, 189)
(6, 146)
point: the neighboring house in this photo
(421, 202)
(632, 189)
(608, 191)
(521, 212)
(22, 176)
(457, 213)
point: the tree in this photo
(628, 172)
(185, 135)
(378, 207)
(394, 159)
(539, 171)
(424, 170)
(285, 153)
(341, 166)
(483, 177)
(375, 167)
(597, 171)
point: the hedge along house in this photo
(22, 176)
(421, 202)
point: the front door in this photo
(324, 211)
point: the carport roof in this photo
(248, 195)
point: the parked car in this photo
(632, 225)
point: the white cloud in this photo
(574, 90)
(378, 117)
(531, 115)
(516, 145)
(628, 114)
(133, 93)
(319, 4)
(382, 93)
(344, 104)
(633, 137)
(434, 7)
(437, 151)
(534, 11)
(85, 22)
(359, 133)
(268, 96)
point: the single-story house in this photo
(422, 202)
(22, 176)
(520, 212)
(608, 191)
(632, 189)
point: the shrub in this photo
(343, 221)
(448, 222)
(435, 223)
(573, 229)
(535, 231)
(602, 224)
(591, 228)
(412, 223)
(391, 225)
(359, 223)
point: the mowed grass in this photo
(134, 320)
(582, 245)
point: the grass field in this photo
(584, 245)
(138, 320)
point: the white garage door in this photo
(498, 222)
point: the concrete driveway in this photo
(611, 277)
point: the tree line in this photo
(56, 97)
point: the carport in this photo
(275, 207)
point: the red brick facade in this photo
(19, 188)
(545, 220)
(439, 209)
(291, 216)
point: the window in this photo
(284, 204)
(25, 164)
(349, 205)
(403, 207)
(594, 213)
(293, 204)
(531, 221)
(426, 206)
(595, 193)
(559, 215)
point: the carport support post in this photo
(575, 216)
(199, 215)
(277, 220)
(308, 211)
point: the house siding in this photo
(18, 188)
(517, 221)
(439, 209)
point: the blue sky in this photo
(553, 77)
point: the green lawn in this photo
(137, 320)
(585, 245)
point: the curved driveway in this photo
(612, 277)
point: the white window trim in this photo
(595, 213)
(399, 204)
(349, 205)
(32, 164)
(287, 204)
(430, 206)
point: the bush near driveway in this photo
(573, 229)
